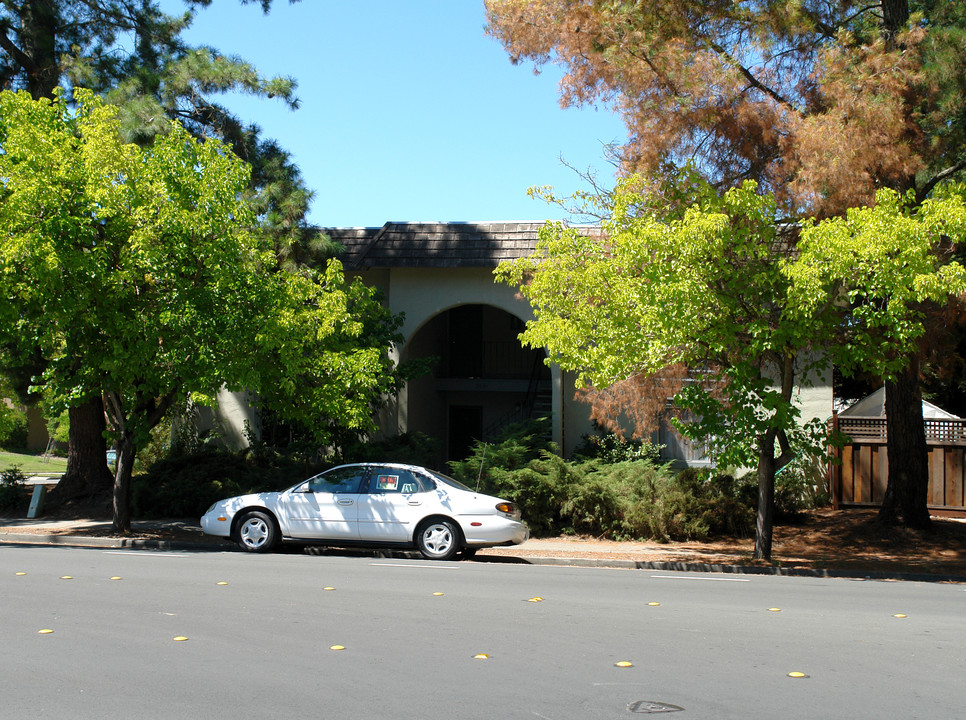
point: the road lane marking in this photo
(407, 565)
(141, 553)
(688, 577)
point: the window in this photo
(396, 480)
(339, 480)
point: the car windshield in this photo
(450, 481)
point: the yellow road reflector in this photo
(328, 588)
(180, 638)
(116, 577)
(437, 594)
(336, 647)
(20, 573)
(66, 577)
(623, 663)
(45, 631)
(481, 656)
(535, 599)
(797, 675)
(774, 609)
(221, 582)
(899, 615)
(653, 604)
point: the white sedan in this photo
(380, 504)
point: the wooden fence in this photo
(860, 478)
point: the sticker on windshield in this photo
(387, 482)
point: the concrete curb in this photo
(742, 569)
(108, 542)
(654, 565)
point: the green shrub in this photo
(604, 496)
(616, 494)
(13, 489)
(517, 445)
(799, 486)
(539, 489)
(13, 426)
(595, 502)
(186, 485)
(409, 448)
(157, 448)
(611, 448)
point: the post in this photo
(36, 501)
(835, 469)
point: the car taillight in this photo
(507, 508)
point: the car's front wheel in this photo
(438, 540)
(257, 532)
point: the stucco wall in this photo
(423, 294)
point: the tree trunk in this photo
(38, 37)
(766, 496)
(907, 491)
(87, 472)
(895, 14)
(122, 484)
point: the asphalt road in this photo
(260, 632)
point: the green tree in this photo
(868, 278)
(134, 54)
(140, 273)
(713, 285)
(698, 285)
(821, 103)
(325, 357)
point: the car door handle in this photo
(345, 501)
(415, 502)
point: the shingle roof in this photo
(438, 245)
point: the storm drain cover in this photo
(652, 706)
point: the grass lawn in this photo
(33, 464)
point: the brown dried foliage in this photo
(790, 94)
(640, 402)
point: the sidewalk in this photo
(186, 535)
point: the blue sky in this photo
(408, 111)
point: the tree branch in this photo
(923, 192)
(754, 81)
(112, 404)
(18, 55)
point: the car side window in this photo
(395, 480)
(339, 480)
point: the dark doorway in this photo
(465, 427)
(466, 341)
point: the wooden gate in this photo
(859, 479)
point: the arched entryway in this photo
(483, 378)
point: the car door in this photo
(397, 499)
(325, 506)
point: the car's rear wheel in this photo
(438, 540)
(257, 532)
